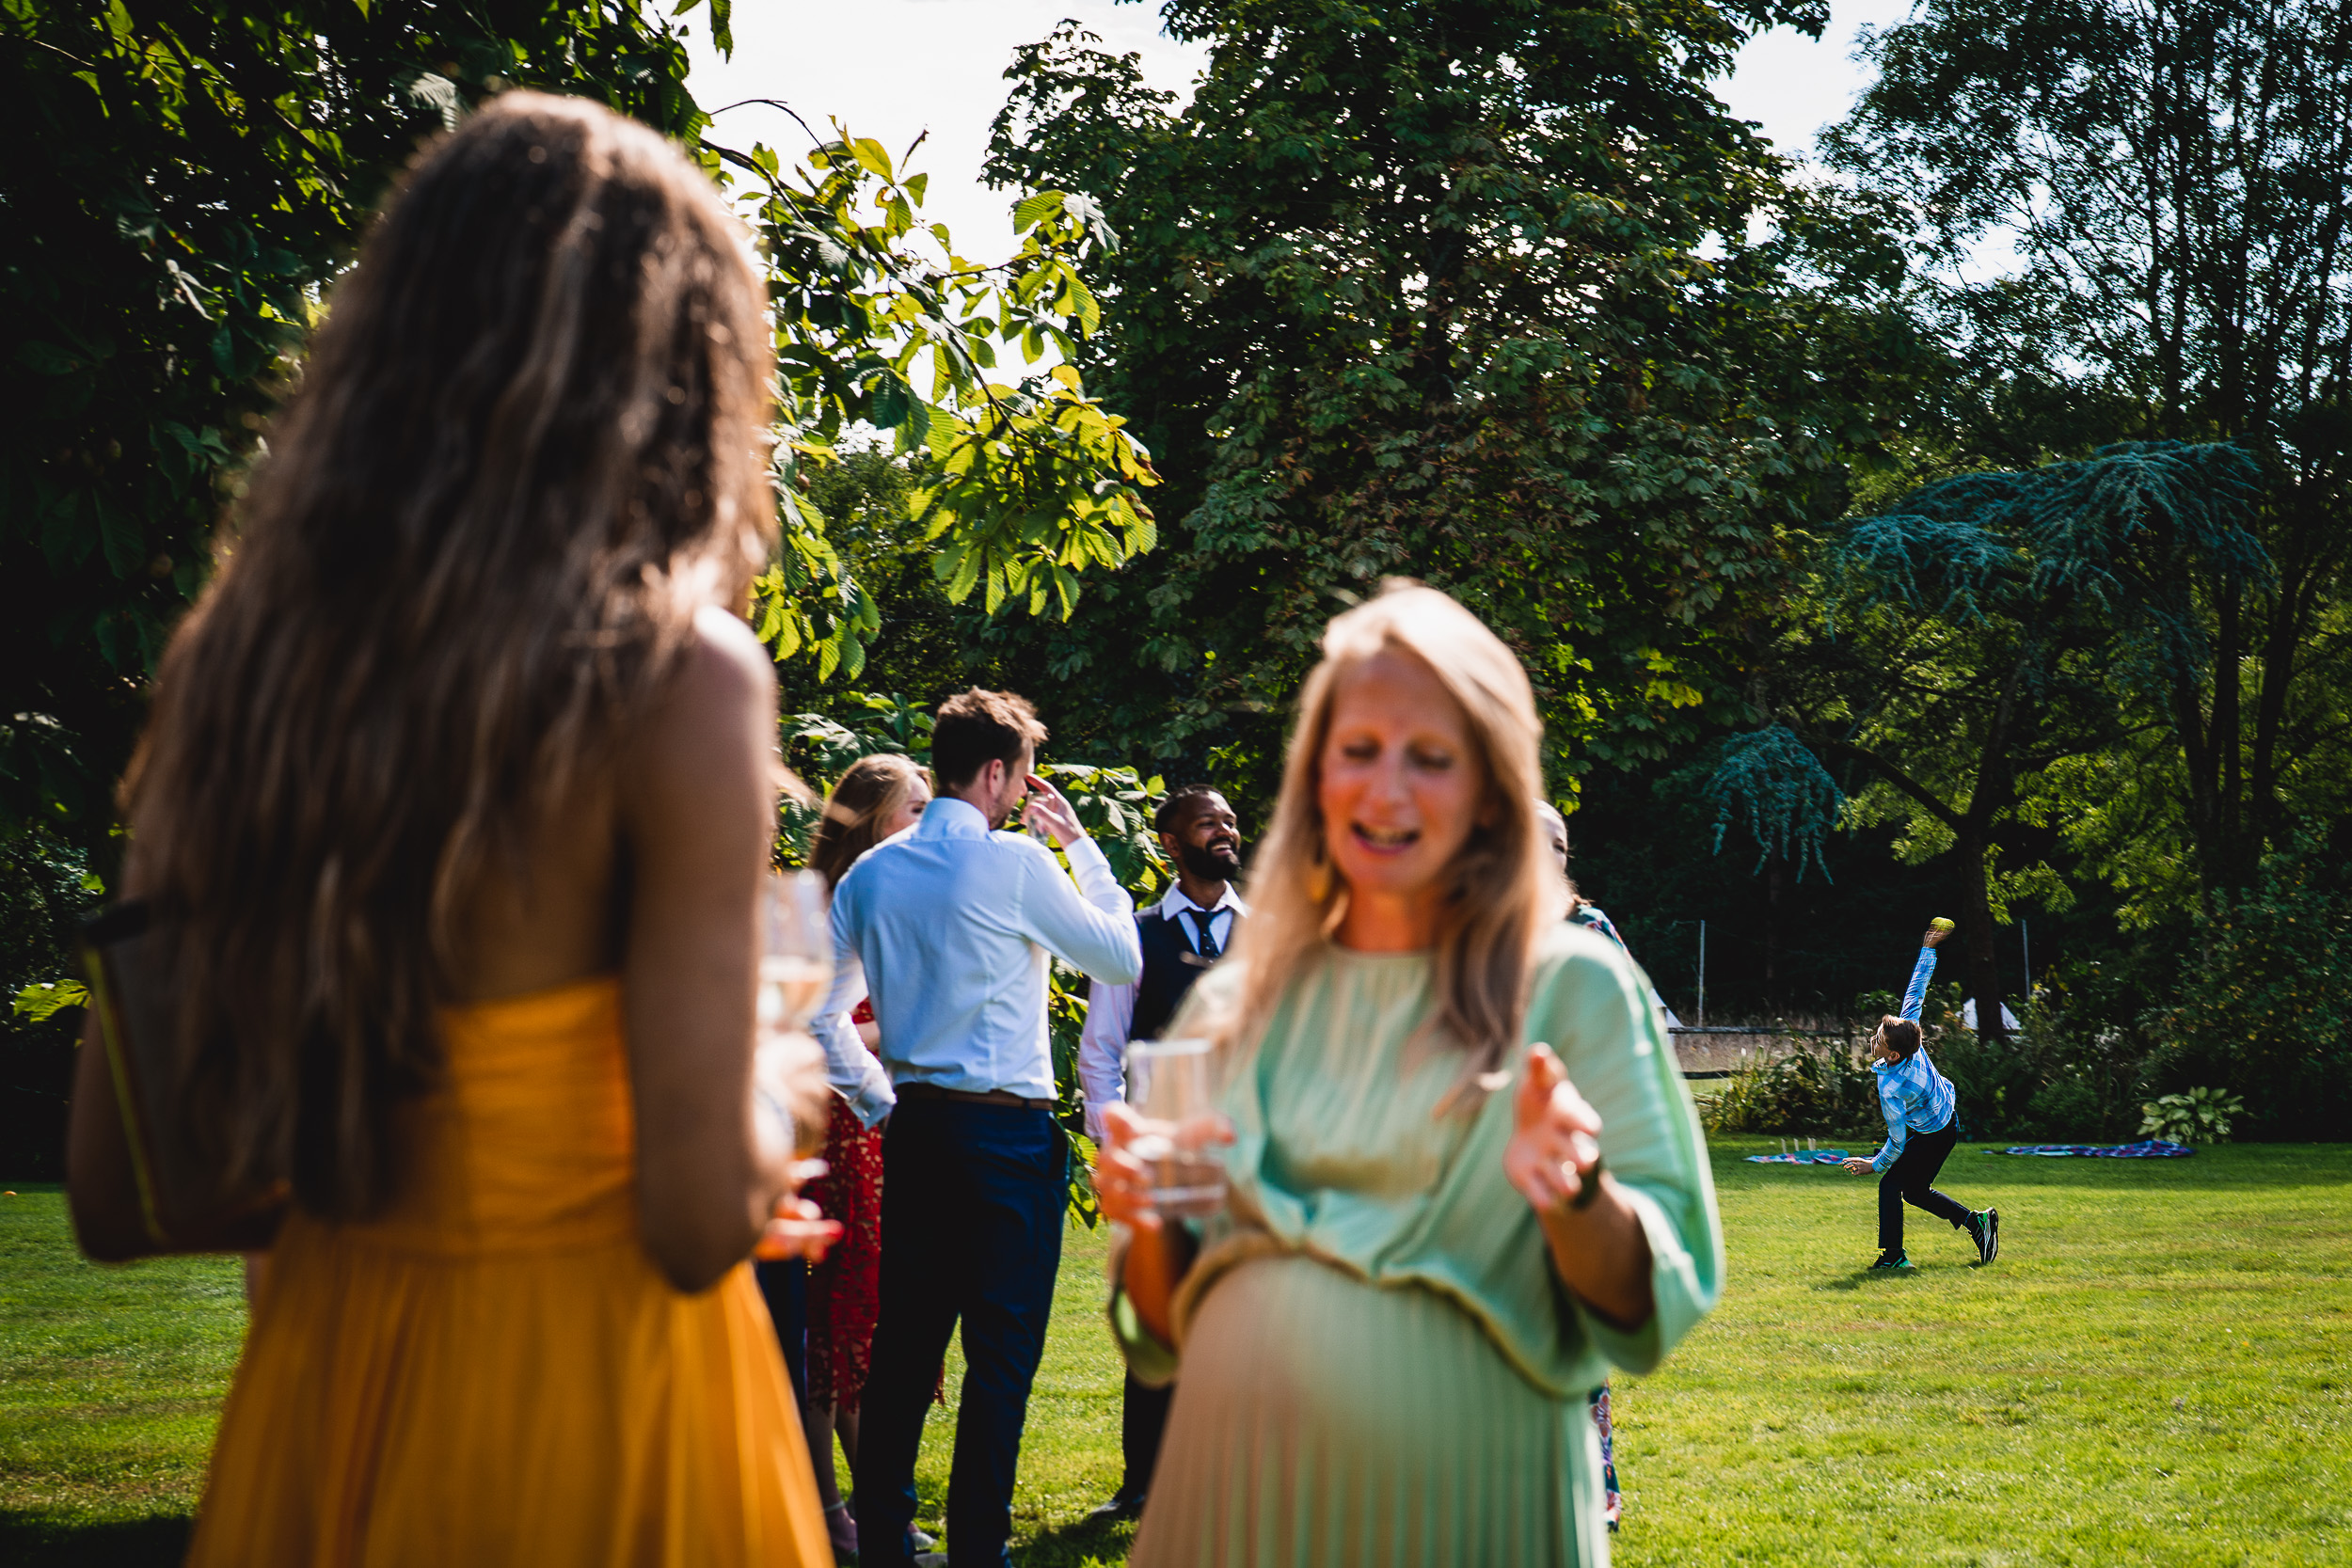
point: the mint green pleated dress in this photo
(1376, 1363)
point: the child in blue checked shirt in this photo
(1916, 1102)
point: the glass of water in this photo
(1171, 1089)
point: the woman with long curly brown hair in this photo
(458, 791)
(1465, 1176)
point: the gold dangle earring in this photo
(1319, 876)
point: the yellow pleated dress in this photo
(494, 1372)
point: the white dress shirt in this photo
(1111, 1009)
(946, 927)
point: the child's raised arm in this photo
(1915, 994)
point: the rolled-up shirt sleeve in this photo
(1102, 1046)
(1090, 924)
(850, 1069)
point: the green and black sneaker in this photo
(1986, 1227)
(1896, 1259)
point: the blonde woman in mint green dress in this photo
(1466, 1181)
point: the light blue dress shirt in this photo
(946, 927)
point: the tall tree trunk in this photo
(1993, 793)
(1979, 962)
(2281, 644)
(2227, 856)
(2200, 740)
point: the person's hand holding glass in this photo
(1159, 1161)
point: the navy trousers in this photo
(1909, 1179)
(1142, 1421)
(784, 1285)
(973, 1200)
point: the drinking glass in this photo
(1171, 1089)
(795, 966)
(796, 949)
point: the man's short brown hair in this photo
(1900, 1034)
(975, 728)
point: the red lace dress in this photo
(845, 1291)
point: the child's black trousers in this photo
(1907, 1181)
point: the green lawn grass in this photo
(2158, 1371)
(110, 1382)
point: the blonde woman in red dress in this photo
(877, 797)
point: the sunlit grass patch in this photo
(2158, 1370)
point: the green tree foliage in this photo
(1458, 290)
(185, 180)
(44, 883)
(2265, 1011)
(1787, 797)
(862, 498)
(182, 180)
(1991, 626)
(2169, 175)
(880, 324)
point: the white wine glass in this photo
(795, 966)
(1173, 1091)
(796, 949)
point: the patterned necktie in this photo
(1201, 922)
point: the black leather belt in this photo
(973, 1096)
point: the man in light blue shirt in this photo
(947, 927)
(1918, 1102)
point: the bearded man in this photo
(1181, 936)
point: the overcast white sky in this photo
(893, 69)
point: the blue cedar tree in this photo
(1990, 625)
(1789, 797)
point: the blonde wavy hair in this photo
(868, 794)
(1502, 893)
